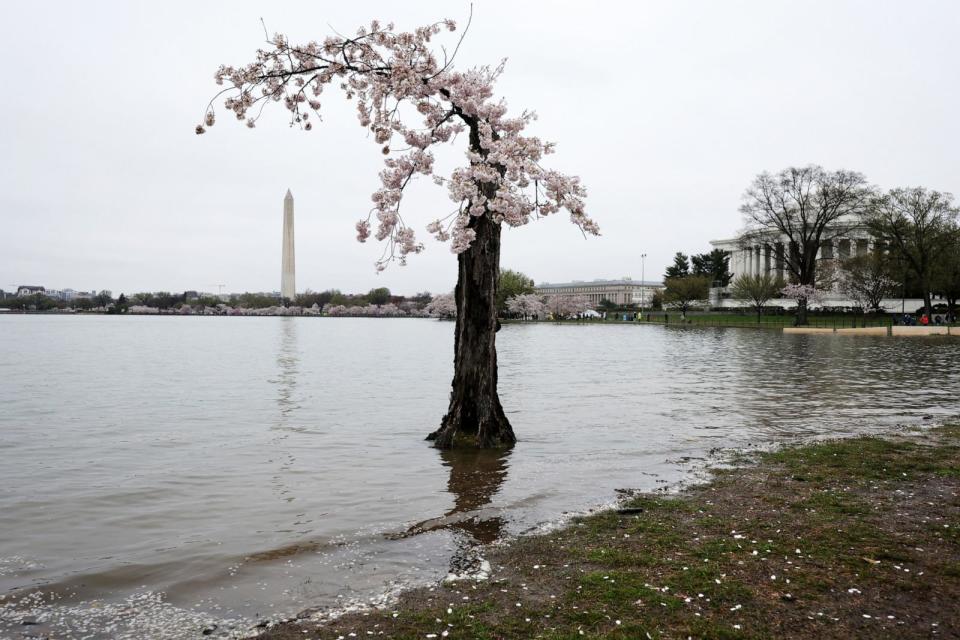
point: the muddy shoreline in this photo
(836, 539)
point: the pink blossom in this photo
(363, 231)
(442, 306)
(527, 305)
(383, 70)
(567, 306)
(800, 292)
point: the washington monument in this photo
(288, 286)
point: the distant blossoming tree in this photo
(567, 306)
(804, 294)
(866, 280)
(388, 310)
(386, 73)
(442, 306)
(526, 305)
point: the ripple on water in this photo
(170, 473)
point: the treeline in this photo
(165, 300)
(41, 302)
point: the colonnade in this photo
(763, 258)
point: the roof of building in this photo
(847, 222)
(607, 283)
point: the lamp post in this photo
(643, 282)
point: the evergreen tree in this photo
(715, 265)
(511, 283)
(680, 267)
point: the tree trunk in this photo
(802, 312)
(475, 416)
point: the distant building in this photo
(29, 290)
(752, 255)
(620, 292)
(190, 296)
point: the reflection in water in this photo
(288, 360)
(475, 476)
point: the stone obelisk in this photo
(288, 287)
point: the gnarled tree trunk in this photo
(475, 416)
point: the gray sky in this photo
(666, 110)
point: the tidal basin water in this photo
(161, 475)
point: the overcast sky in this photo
(667, 110)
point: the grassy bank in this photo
(833, 321)
(854, 538)
(775, 322)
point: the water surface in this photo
(171, 473)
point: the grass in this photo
(838, 321)
(855, 538)
(746, 320)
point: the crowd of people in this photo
(924, 320)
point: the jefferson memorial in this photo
(753, 255)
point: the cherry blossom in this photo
(527, 305)
(567, 306)
(805, 292)
(442, 306)
(388, 73)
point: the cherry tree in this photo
(526, 305)
(567, 306)
(442, 306)
(390, 74)
(804, 294)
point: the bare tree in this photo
(947, 277)
(803, 207)
(756, 290)
(919, 225)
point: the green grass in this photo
(838, 321)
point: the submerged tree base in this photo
(492, 431)
(854, 538)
